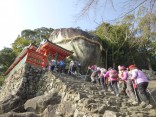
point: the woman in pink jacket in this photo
(112, 76)
(122, 79)
(141, 81)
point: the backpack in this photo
(62, 63)
(103, 70)
(113, 73)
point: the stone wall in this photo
(22, 82)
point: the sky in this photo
(18, 15)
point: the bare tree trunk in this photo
(106, 59)
(113, 59)
(149, 64)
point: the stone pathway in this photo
(77, 98)
(99, 103)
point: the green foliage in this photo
(128, 19)
(115, 39)
(19, 45)
(37, 34)
(28, 34)
(7, 56)
(147, 35)
(1, 80)
(132, 40)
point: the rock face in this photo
(150, 74)
(86, 47)
(18, 87)
(23, 82)
(50, 94)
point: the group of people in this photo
(57, 65)
(74, 67)
(60, 66)
(131, 81)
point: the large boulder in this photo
(86, 47)
(150, 74)
(39, 103)
(26, 114)
(11, 103)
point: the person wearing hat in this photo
(94, 73)
(123, 75)
(103, 80)
(130, 90)
(141, 81)
(72, 68)
(112, 76)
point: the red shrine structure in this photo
(39, 56)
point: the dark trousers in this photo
(130, 90)
(52, 67)
(142, 92)
(122, 87)
(103, 83)
(61, 69)
(114, 86)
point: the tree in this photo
(147, 36)
(133, 4)
(7, 56)
(115, 38)
(101, 31)
(38, 33)
(29, 34)
(19, 45)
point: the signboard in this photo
(36, 59)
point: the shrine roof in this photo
(52, 48)
(45, 47)
(20, 56)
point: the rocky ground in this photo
(90, 101)
(152, 84)
(64, 96)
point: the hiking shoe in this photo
(149, 106)
(93, 82)
(117, 95)
(109, 90)
(104, 93)
(130, 100)
(143, 104)
(134, 103)
(112, 92)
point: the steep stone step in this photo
(75, 98)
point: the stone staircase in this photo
(61, 95)
(92, 103)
